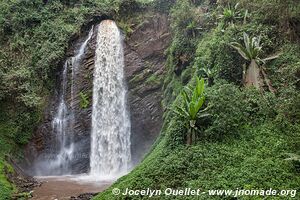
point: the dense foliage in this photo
(251, 140)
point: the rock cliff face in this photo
(144, 61)
(144, 66)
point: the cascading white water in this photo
(75, 64)
(61, 127)
(63, 122)
(110, 138)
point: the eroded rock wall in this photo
(145, 67)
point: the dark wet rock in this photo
(145, 66)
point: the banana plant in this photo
(254, 74)
(189, 111)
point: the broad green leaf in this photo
(192, 111)
(199, 104)
(271, 57)
(242, 51)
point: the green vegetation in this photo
(251, 138)
(231, 14)
(250, 52)
(140, 77)
(6, 188)
(295, 159)
(190, 110)
(154, 80)
(84, 100)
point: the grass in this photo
(6, 145)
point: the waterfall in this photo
(75, 63)
(61, 127)
(110, 137)
(59, 162)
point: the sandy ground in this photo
(62, 188)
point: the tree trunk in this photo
(252, 77)
(193, 137)
(189, 137)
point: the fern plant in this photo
(190, 110)
(84, 102)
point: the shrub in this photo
(213, 52)
(232, 109)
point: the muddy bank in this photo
(23, 182)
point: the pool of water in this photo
(64, 187)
